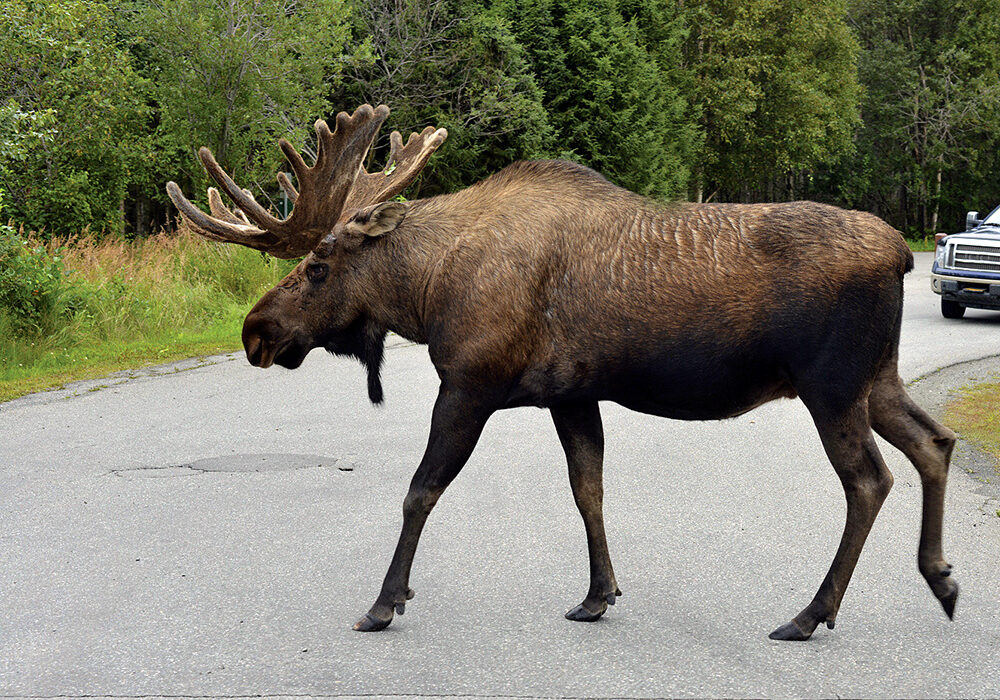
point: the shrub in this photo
(34, 287)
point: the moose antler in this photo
(401, 168)
(335, 180)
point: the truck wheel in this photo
(952, 309)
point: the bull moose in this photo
(546, 285)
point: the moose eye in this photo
(316, 272)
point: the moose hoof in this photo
(581, 614)
(400, 605)
(790, 632)
(949, 598)
(370, 623)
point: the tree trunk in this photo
(937, 198)
(905, 208)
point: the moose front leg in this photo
(456, 425)
(582, 437)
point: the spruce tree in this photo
(607, 99)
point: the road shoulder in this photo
(934, 390)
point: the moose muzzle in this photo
(266, 343)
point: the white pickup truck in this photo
(966, 270)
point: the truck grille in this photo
(976, 257)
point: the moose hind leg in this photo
(850, 445)
(582, 436)
(928, 445)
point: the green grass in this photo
(975, 414)
(122, 305)
(921, 245)
(95, 361)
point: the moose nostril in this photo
(261, 335)
(255, 348)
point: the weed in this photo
(34, 289)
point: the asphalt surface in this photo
(212, 529)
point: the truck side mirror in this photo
(972, 220)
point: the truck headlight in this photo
(941, 254)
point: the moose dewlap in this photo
(546, 285)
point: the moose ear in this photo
(381, 219)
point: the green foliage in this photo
(456, 65)
(606, 93)
(73, 115)
(892, 107)
(235, 77)
(776, 89)
(928, 147)
(94, 306)
(33, 285)
(21, 133)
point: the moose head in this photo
(338, 208)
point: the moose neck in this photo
(400, 267)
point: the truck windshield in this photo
(993, 219)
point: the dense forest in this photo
(892, 107)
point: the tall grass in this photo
(99, 305)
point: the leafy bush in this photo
(64, 204)
(34, 287)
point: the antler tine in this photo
(286, 184)
(324, 188)
(241, 198)
(395, 146)
(299, 166)
(221, 211)
(402, 167)
(227, 230)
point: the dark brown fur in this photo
(546, 285)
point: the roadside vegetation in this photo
(921, 245)
(975, 414)
(80, 308)
(892, 108)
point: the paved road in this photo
(216, 531)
